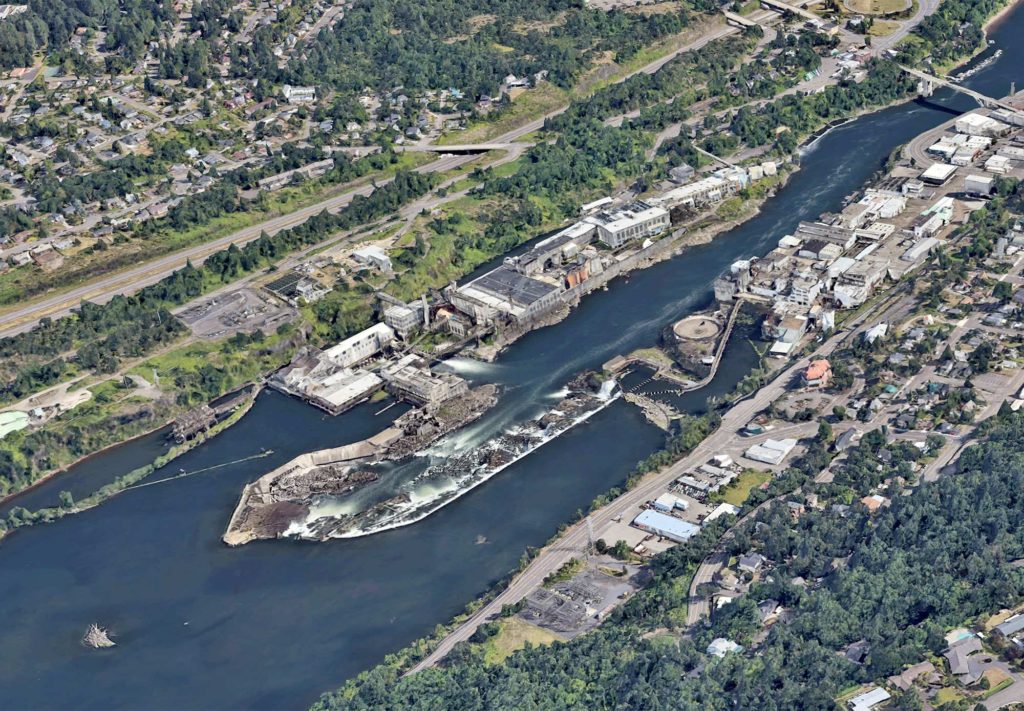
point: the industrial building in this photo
(373, 256)
(665, 526)
(410, 378)
(504, 292)
(555, 250)
(938, 174)
(402, 319)
(361, 346)
(714, 188)
(977, 125)
(636, 220)
(975, 184)
(771, 451)
(323, 383)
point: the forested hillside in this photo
(898, 579)
(471, 45)
(49, 24)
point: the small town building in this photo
(817, 374)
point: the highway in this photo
(131, 280)
(128, 281)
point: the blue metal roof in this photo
(665, 525)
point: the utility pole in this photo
(590, 538)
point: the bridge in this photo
(739, 21)
(465, 147)
(784, 7)
(926, 84)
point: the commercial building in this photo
(665, 526)
(361, 346)
(771, 451)
(506, 292)
(635, 220)
(975, 184)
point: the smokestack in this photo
(426, 311)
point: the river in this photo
(272, 624)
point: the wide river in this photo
(273, 624)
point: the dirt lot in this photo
(245, 310)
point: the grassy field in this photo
(514, 635)
(737, 492)
(877, 7)
(883, 28)
(947, 695)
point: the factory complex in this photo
(840, 261)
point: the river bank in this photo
(20, 517)
(270, 625)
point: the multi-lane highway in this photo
(130, 280)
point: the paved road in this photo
(574, 541)
(133, 279)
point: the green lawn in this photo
(737, 492)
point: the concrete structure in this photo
(635, 220)
(363, 345)
(665, 526)
(411, 378)
(402, 319)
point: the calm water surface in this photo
(273, 624)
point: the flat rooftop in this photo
(510, 285)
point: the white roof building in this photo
(869, 699)
(771, 451)
(361, 346)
